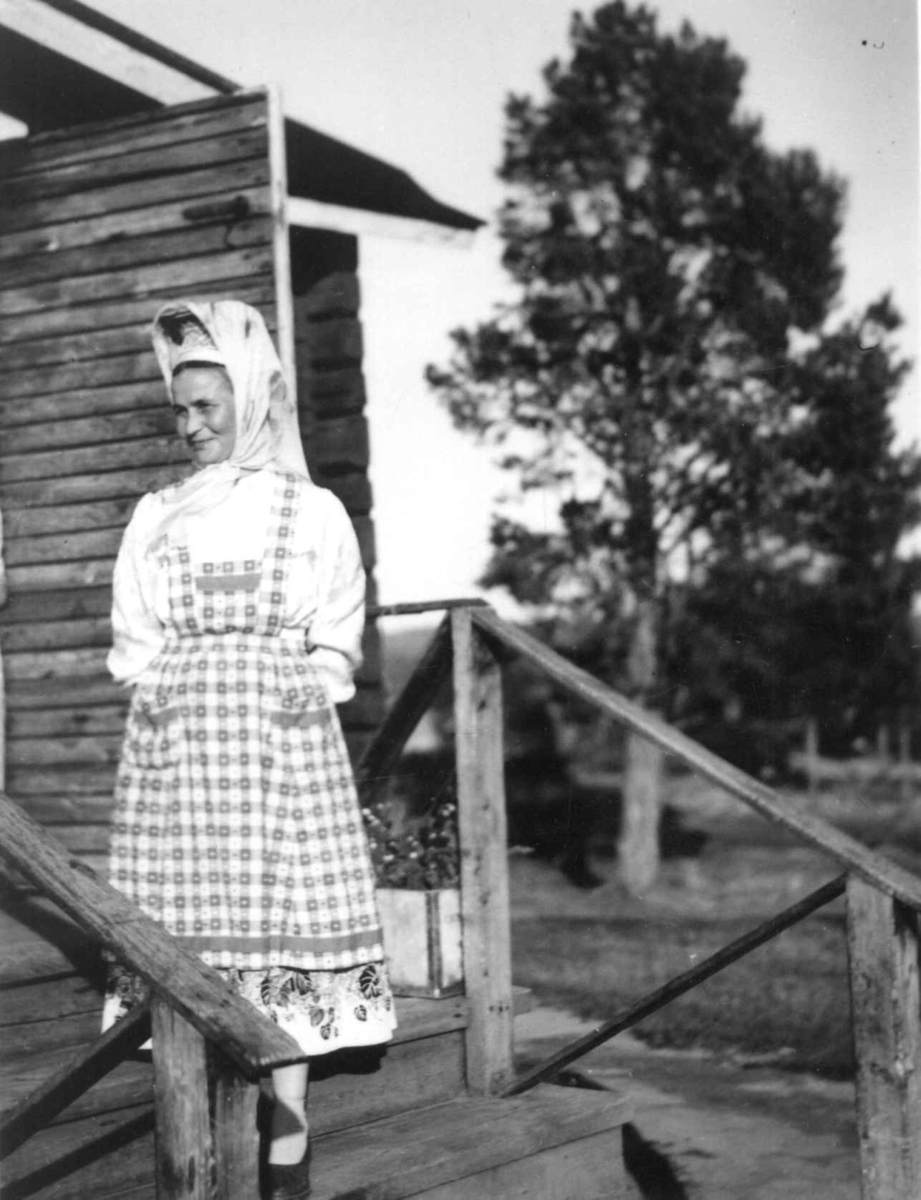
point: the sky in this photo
(422, 83)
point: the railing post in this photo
(883, 951)
(234, 1132)
(484, 856)
(183, 1137)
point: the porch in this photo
(442, 1113)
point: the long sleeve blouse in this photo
(325, 591)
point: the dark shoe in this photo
(290, 1183)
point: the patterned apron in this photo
(237, 824)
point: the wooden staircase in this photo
(553, 1144)
(422, 1117)
(387, 1123)
(440, 1113)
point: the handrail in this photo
(415, 607)
(889, 877)
(254, 1043)
(384, 750)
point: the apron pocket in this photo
(151, 739)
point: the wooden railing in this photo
(200, 1030)
(459, 651)
(883, 899)
(208, 1040)
(198, 1024)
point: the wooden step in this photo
(105, 1135)
(552, 1144)
(429, 1038)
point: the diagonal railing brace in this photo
(680, 984)
(386, 747)
(51, 1097)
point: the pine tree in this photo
(666, 264)
(815, 617)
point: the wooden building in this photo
(144, 177)
(118, 199)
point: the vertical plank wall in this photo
(98, 225)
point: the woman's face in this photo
(206, 417)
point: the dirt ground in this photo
(709, 1123)
(705, 1128)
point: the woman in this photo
(237, 616)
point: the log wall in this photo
(98, 226)
(331, 408)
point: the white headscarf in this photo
(232, 334)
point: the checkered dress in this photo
(237, 824)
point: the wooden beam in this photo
(76, 634)
(98, 515)
(67, 813)
(63, 547)
(342, 442)
(883, 951)
(332, 344)
(64, 323)
(336, 392)
(110, 485)
(484, 856)
(31, 695)
(91, 572)
(84, 432)
(278, 188)
(142, 131)
(149, 451)
(335, 295)
(235, 1136)
(101, 52)
(185, 240)
(191, 186)
(383, 754)
(183, 1144)
(78, 780)
(144, 280)
(361, 222)
(64, 751)
(414, 607)
(67, 722)
(37, 607)
(134, 165)
(117, 398)
(67, 378)
(353, 488)
(72, 1080)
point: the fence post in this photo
(183, 1136)
(484, 856)
(234, 1130)
(883, 952)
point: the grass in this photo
(787, 1002)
